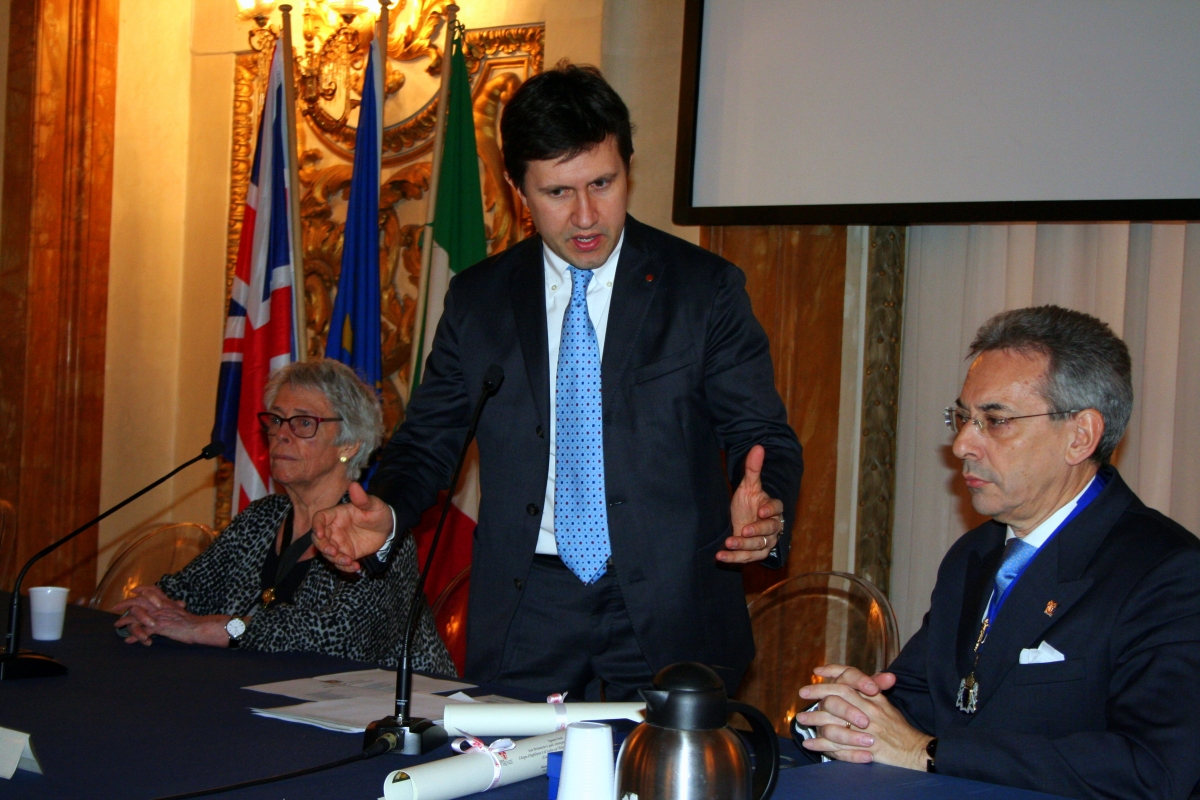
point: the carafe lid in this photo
(686, 696)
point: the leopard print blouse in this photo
(352, 616)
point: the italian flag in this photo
(459, 241)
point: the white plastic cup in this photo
(587, 763)
(47, 610)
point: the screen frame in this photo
(685, 213)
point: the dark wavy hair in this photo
(560, 114)
(1089, 365)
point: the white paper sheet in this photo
(16, 753)
(360, 683)
(353, 714)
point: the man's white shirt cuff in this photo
(383, 552)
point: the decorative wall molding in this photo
(880, 397)
(54, 251)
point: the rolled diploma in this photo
(530, 719)
(471, 772)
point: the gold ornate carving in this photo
(499, 60)
(881, 391)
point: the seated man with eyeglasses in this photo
(260, 585)
(1061, 650)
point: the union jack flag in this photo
(258, 331)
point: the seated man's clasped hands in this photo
(856, 721)
(261, 585)
(1061, 650)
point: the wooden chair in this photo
(8, 545)
(809, 620)
(450, 616)
(162, 549)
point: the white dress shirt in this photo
(558, 297)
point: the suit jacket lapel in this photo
(1055, 574)
(633, 288)
(529, 309)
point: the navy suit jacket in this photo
(1120, 716)
(687, 389)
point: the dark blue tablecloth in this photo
(140, 722)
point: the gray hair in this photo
(1089, 364)
(352, 400)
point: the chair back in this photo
(450, 616)
(162, 549)
(809, 620)
(8, 545)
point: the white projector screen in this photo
(906, 111)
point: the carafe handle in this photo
(766, 749)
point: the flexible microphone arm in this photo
(14, 664)
(423, 740)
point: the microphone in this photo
(416, 734)
(16, 663)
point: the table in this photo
(136, 722)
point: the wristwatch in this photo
(236, 627)
(931, 752)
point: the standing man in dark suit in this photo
(638, 387)
(1061, 651)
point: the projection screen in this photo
(918, 111)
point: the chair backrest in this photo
(160, 550)
(809, 620)
(8, 545)
(450, 616)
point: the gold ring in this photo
(764, 542)
(847, 726)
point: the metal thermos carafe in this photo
(685, 751)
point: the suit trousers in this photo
(567, 636)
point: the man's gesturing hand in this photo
(857, 723)
(757, 518)
(354, 530)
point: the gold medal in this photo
(268, 596)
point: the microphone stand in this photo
(16, 663)
(417, 734)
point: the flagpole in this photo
(299, 317)
(439, 134)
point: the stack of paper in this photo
(348, 701)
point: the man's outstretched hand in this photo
(757, 517)
(354, 530)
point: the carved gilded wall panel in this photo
(330, 67)
(880, 399)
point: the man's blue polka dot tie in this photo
(580, 515)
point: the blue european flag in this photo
(354, 334)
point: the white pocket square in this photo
(1044, 653)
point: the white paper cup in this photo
(47, 610)
(587, 765)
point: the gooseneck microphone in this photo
(415, 734)
(16, 663)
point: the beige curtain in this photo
(1142, 279)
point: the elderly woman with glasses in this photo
(259, 585)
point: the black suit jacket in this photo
(687, 390)
(1120, 716)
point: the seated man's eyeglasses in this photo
(302, 425)
(991, 424)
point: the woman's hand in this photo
(139, 613)
(151, 613)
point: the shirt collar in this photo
(1038, 536)
(557, 268)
